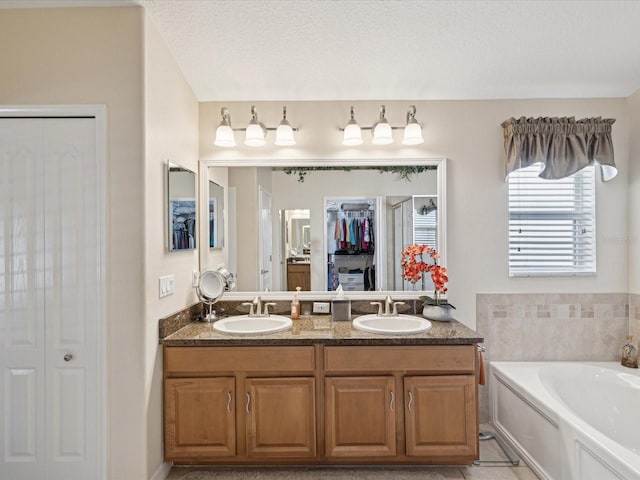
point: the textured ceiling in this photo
(401, 49)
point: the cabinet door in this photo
(360, 418)
(199, 418)
(441, 416)
(281, 417)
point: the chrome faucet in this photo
(256, 307)
(390, 307)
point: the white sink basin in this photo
(397, 325)
(246, 325)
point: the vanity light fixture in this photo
(255, 132)
(382, 130)
(284, 132)
(412, 131)
(382, 134)
(352, 133)
(224, 132)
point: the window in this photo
(551, 223)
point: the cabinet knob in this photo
(68, 357)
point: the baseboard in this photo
(162, 471)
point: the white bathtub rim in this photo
(548, 404)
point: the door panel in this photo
(281, 417)
(440, 415)
(360, 418)
(50, 291)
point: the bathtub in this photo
(570, 420)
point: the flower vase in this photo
(437, 313)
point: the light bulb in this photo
(412, 134)
(224, 137)
(352, 135)
(254, 136)
(382, 133)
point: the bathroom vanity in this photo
(321, 393)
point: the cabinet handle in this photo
(410, 401)
(248, 403)
(392, 401)
(229, 402)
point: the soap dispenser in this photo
(295, 305)
(629, 354)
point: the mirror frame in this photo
(440, 162)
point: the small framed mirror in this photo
(181, 208)
(216, 215)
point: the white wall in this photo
(468, 133)
(633, 236)
(171, 133)
(94, 56)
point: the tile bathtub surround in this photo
(542, 327)
(634, 318)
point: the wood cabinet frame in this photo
(408, 389)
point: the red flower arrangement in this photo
(414, 267)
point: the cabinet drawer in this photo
(201, 361)
(428, 359)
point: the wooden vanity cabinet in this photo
(199, 419)
(281, 417)
(321, 404)
(417, 403)
(360, 417)
(226, 404)
(440, 416)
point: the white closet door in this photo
(22, 300)
(52, 243)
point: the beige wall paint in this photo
(94, 56)
(468, 133)
(633, 236)
(171, 133)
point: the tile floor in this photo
(489, 452)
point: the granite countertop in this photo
(320, 329)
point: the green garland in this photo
(404, 172)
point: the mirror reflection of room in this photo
(297, 249)
(301, 236)
(351, 241)
(181, 204)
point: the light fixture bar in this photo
(412, 130)
(255, 132)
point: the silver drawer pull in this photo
(68, 357)
(392, 401)
(248, 403)
(229, 402)
(410, 401)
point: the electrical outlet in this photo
(195, 278)
(321, 307)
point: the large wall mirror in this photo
(181, 208)
(344, 223)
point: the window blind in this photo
(551, 223)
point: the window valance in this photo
(563, 145)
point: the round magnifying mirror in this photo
(210, 289)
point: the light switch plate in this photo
(167, 285)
